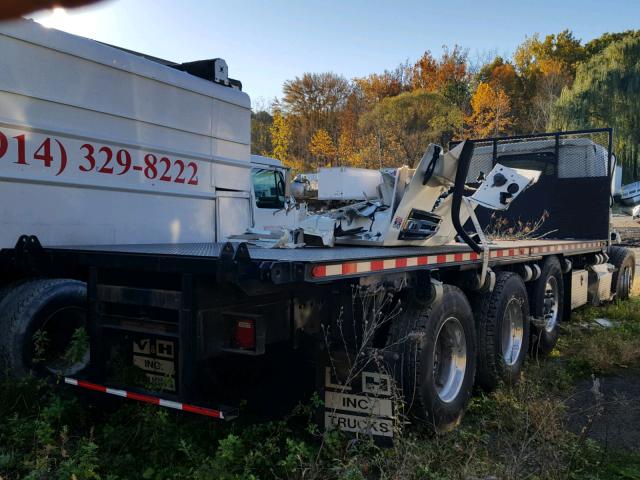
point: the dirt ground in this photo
(608, 410)
(629, 230)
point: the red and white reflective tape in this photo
(567, 247)
(145, 398)
(367, 266)
(379, 265)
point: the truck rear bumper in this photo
(221, 413)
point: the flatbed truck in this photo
(177, 313)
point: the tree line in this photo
(388, 118)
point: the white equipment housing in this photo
(346, 183)
(102, 146)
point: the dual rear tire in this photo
(444, 349)
(436, 359)
(546, 299)
(502, 326)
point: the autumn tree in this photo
(605, 93)
(491, 112)
(448, 75)
(502, 75)
(312, 102)
(376, 87)
(280, 131)
(322, 148)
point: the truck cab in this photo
(273, 206)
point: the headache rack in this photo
(571, 162)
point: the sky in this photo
(266, 43)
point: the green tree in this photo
(545, 67)
(606, 92)
(596, 45)
(404, 125)
(261, 132)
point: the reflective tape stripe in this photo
(170, 404)
(119, 393)
(145, 398)
(378, 265)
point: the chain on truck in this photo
(147, 255)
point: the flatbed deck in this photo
(314, 264)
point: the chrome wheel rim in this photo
(627, 280)
(450, 359)
(551, 304)
(512, 331)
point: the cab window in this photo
(268, 187)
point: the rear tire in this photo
(38, 319)
(502, 329)
(546, 302)
(436, 349)
(625, 262)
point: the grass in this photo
(517, 432)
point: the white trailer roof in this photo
(32, 32)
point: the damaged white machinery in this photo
(414, 207)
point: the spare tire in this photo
(43, 325)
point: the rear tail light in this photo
(245, 334)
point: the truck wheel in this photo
(546, 296)
(43, 328)
(625, 262)
(437, 359)
(502, 328)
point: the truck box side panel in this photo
(101, 146)
(19, 111)
(115, 217)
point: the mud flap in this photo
(358, 401)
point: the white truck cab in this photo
(273, 205)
